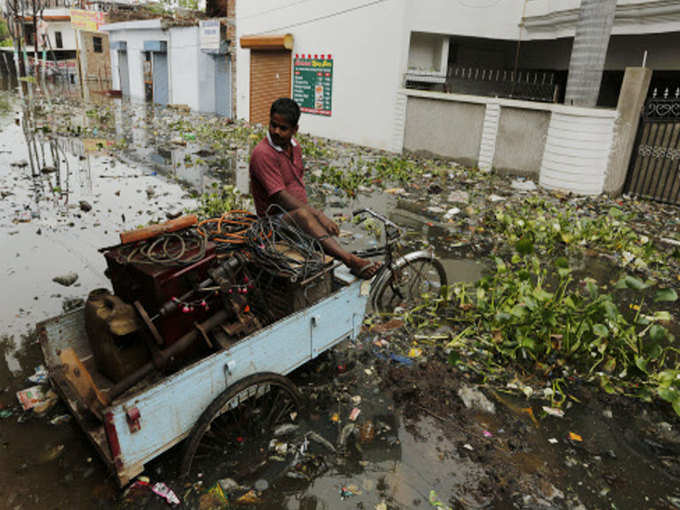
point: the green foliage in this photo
(528, 315)
(395, 169)
(216, 203)
(4, 33)
(552, 229)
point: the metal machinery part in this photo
(175, 314)
(112, 326)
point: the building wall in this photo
(496, 20)
(577, 153)
(550, 19)
(135, 52)
(206, 83)
(68, 35)
(449, 129)
(366, 77)
(521, 141)
(186, 64)
(97, 65)
(563, 147)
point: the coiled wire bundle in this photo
(281, 248)
(229, 230)
(185, 247)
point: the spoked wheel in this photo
(410, 283)
(231, 438)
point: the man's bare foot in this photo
(362, 268)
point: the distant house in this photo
(64, 34)
(172, 62)
(502, 48)
(56, 41)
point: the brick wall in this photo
(270, 75)
(97, 65)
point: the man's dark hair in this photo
(288, 108)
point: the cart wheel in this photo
(409, 282)
(234, 431)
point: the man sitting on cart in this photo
(277, 177)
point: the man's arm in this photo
(290, 203)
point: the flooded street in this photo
(416, 443)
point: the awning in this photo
(157, 46)
(118, 45)
(267, 42)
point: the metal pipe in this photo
(166, 354)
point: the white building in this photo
(165, 64)
(511, 48)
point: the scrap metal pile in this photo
(184, 289)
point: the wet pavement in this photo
(64, 197)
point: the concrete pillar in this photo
(631, 101)
(589, 52)
(487, 147)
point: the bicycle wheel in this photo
(413, 279)
(231, 438)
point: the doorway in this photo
(270, 78)
(123, 73)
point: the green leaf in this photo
(562, 262)
(600, 330)
(668, 394)
(615, 212)
(500, 265)
(524, 246)
(662, 316)
(524, 275)
(658, 333)
(454, 358)
(641, 363)
(676, 406)
(543, 295)
(592, 288)
(666, 296)
(606, 385)
(502, 317)
(630, 282)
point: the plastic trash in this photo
(30, 397)
(40, 375)
(473, 398)
(553, 411)
(165, 492)
(523, 185)
(354, 414)
(575, 437)
(62, 418)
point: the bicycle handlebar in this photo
(388, 223)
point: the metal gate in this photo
(654, 171)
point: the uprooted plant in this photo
(567, 229)
(543, 322)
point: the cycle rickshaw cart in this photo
(245, 379)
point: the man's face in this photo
(280, 130)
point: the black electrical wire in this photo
(272, 240)
(171, 249)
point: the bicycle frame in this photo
(389, 264)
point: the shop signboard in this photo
(313, 83)
(90, 21)
(209, 30)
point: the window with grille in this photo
(97, 43)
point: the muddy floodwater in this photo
(62, 198)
